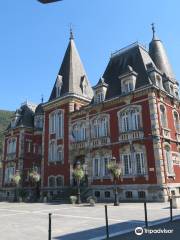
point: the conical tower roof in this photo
(72, 74)
(159, 56)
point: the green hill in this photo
(5, 117)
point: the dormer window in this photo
(128, 80)
(99, 97)
(84, 85)
(59, 84)
(100, 91)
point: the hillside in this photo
(5, 117)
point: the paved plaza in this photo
(29, 221)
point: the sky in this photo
(34, 37)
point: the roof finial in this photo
(42, 98)
(71, 32)
(153, 30)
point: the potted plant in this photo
(78, 175)
(16, 180)
(73, 199)
(92, 200)
(35, 178)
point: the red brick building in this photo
(132, 114)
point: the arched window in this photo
(99, 127)
(11, 146)
(51, 181)
(176, 121)
(59, 181)
(79, 131)
(163, 116)
(129, 119)
(56, 123)
(59, 84)
(59, 124)
(169, 160)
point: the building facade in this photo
(132, 114)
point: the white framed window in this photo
(11, 146)
(59, 181)
(79, 131)
(127, 164)
(169, 161)
(52, 151)
(99, 127)
(96, 167)
(140, 165)
(99, 97)
(105, 166)
(51, 181)
(163, 116)
(59, 124)
(176, 121)
(56, 123)
(60, 155)
(55, 181)
(9, 173)
(59, 84)
(129, 119)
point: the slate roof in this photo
(25, 117)
(39, 109)
(160, 58)
(134, 56)
(72, 72)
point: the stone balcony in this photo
(10, 156)
(132, 135)
(96, 142)
(166, 133)
(78, 145)
(99, 141)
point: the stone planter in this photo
(176, 201)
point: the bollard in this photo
(49, 238)
(171, 215)
(107, 226)
(145, 214)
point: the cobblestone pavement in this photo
(29, 221)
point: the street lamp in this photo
(78, 175)
(115, 172)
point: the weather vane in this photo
(153, 29)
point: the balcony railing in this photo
(10, 156)
(78, 145)
(166, 133)
(96, 142)
(127, 136)
(99, 141)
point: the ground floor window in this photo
(129, 194)
(107, 194)
(97, 194)
(141, 194)
(55, 181)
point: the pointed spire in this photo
(153, 30)
(72, 72)
(42, 98)
(159, 55)
(71, 33)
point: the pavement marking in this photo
(86, 217)
(13, 210)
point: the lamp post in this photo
(78, 174)
(16, 179)
(115, 172)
